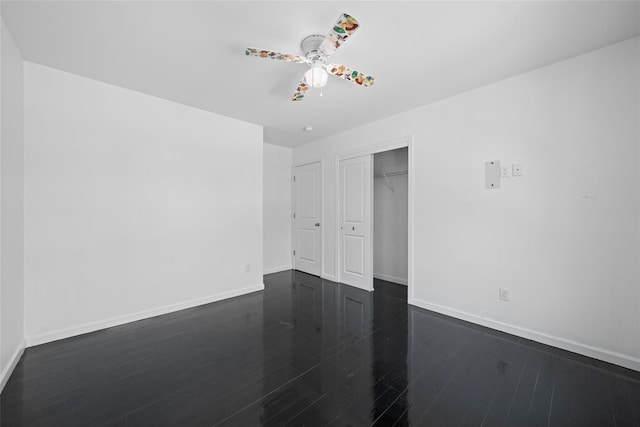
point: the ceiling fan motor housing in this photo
(310, 46)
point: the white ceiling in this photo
(419, 52)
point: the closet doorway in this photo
(391, 216)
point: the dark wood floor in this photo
(307, 352)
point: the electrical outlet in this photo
(247, 268)
(504, 294)
(517, 169)
(505, 171)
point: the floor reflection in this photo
(339, 352)
(390, 343)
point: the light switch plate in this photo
(505, 171)
(492, 174)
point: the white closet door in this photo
(356, 176)
(307, 214)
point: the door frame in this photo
(401, 142)
(293, 207)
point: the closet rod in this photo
(386, 174)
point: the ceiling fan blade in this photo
(352, 75)
(344, 27)
(300, 90)
(263, 53)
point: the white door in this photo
(356, 175)
(307, 244)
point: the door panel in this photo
(356, 176)
(353, 253)
(307, 214)
(307, 244)
(307, 181)
(354, 193)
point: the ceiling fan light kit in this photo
(316, 76)
(317, 49)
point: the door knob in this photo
(317, 224)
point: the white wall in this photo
(276, 208)
(390, 217)
(134, 205)
(563, 238)
(11, 212)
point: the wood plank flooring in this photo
(309, 352)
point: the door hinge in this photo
(294, 253)
(294, 178)
(294, 215)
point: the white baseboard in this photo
(566, 344)
(13, 362)
(390, 279)
(276, 269)
(328, 277)
(120, 320)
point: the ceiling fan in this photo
(317, 49)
